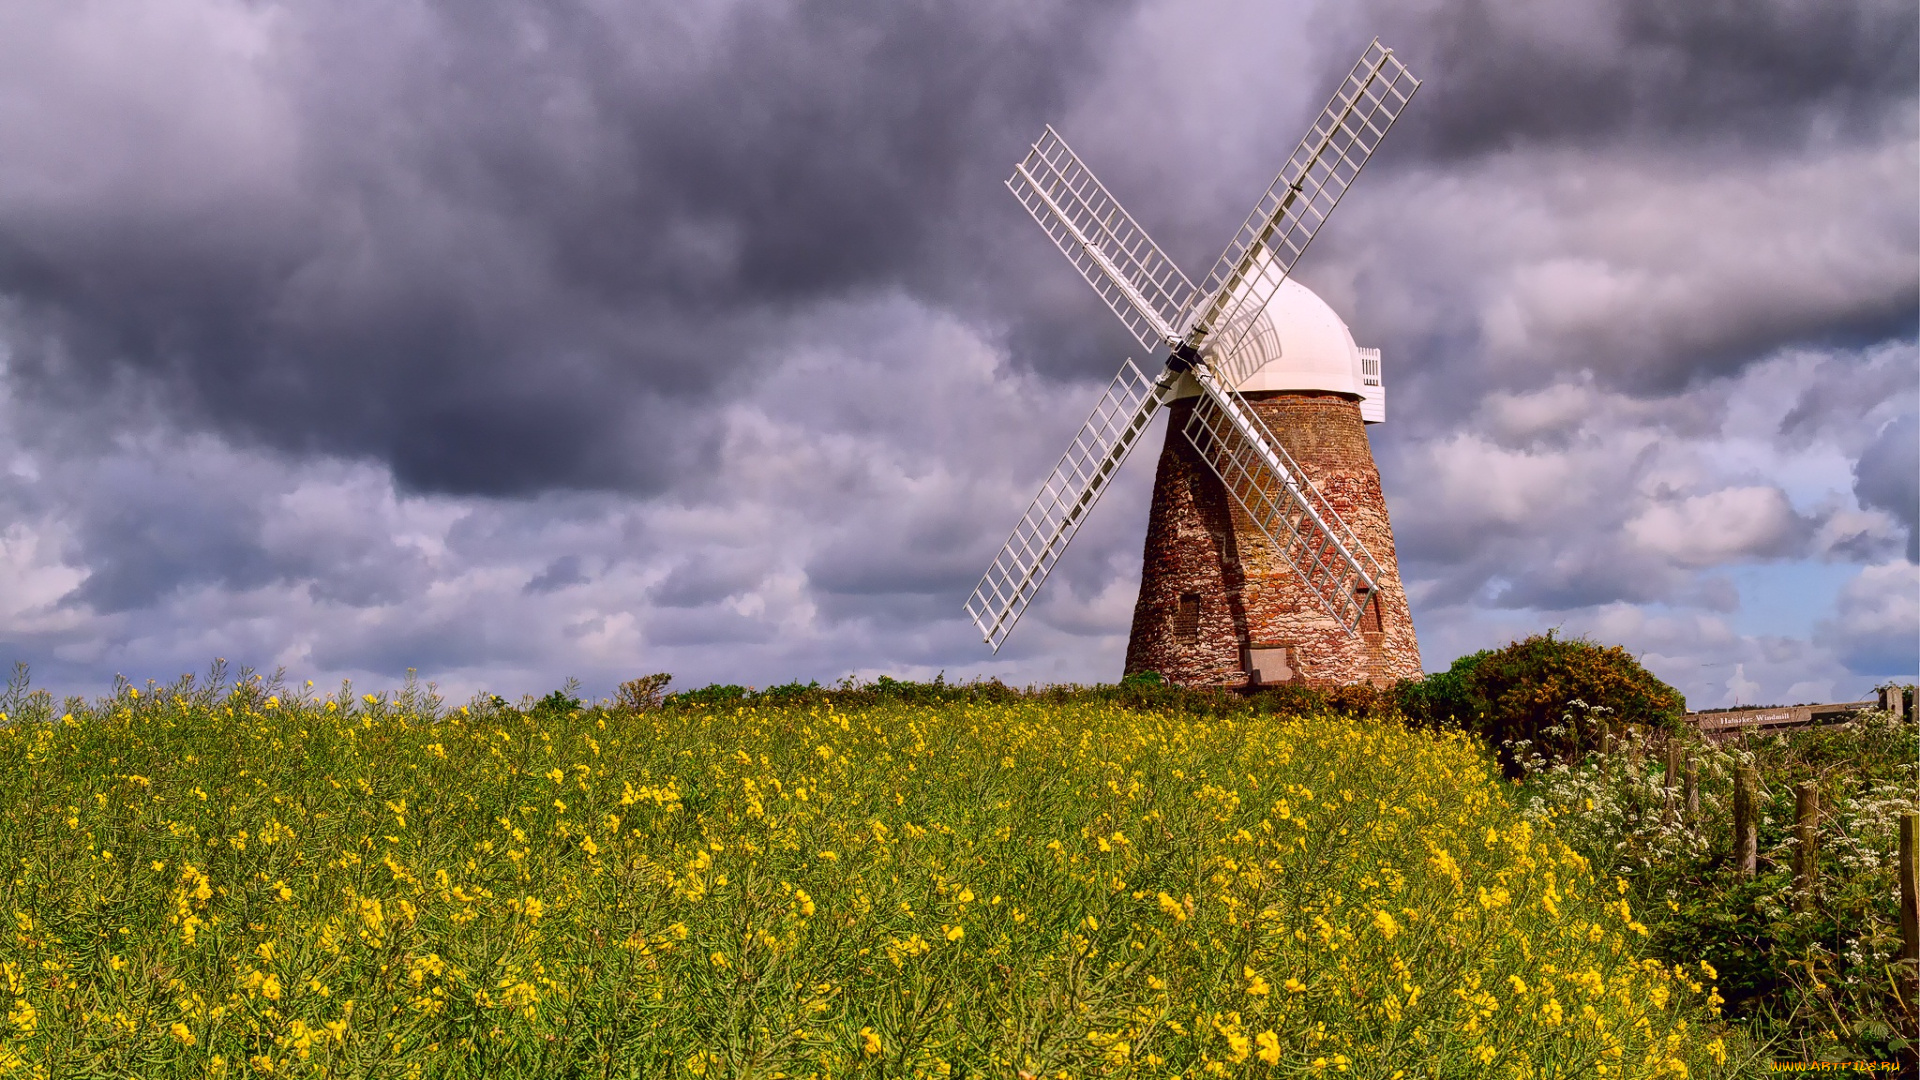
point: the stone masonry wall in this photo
(1213, 590)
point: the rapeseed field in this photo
(259, 882)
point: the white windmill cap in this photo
(1299, 343)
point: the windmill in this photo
(1253, 572)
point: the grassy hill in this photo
(243, 880)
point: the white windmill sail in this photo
(1206, 329)
(1294, 517)
(1070, 491)
(1105, 244)
(1287, 217)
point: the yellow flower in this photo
(869, 1040)
(954, 933)
(181, 1033)
(1256, 985)
(1173, 907)
(1269, 1044)
(1294, 986)
(1388, 928)
(1240, 1046)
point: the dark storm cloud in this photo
(1887, 476)
(150, 537)
(518, 248)
(148, 526)
(559, 574)
(708, 577)
(1504, 74)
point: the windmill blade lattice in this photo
(1055, 514)
(1206, 329)
(1111, 250)
(1294, 517)
(1287, 217)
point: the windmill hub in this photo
(1268, 554)
(1297, 342)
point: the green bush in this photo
(1546, 696)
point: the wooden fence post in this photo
(1691, 786)
(1746, 831)
(1806, 843)
(1672, 779)
(1910, 906)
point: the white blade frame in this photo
(1057, 512)
(1294, 517)
(1288, 216)
(1143, 287)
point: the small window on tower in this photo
(1186, 621)
(1369, 611)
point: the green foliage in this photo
(1518, 698)
(558, 703)
(715, 694)
(1444, 700)
(1818, 982)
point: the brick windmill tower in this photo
(1269, 557)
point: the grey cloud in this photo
(935, 550)
(1586, 579)
(517, 249)
(711, 626)
(1887, 476)
(435, 644)
(707, 577)
(559, 574)
(156, 520)
(149, 537)
(1852, 395)
(1506, 73)
(1876, 622)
